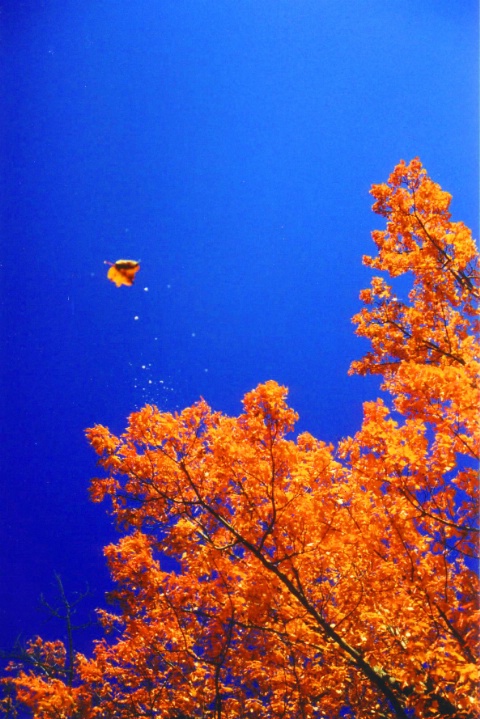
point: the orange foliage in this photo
(311, 580)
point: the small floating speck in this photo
(145, 289)
(136, 317)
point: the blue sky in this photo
(230, 147)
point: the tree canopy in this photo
(266, 575)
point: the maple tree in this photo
(309, 580)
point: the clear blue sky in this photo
(229, 146)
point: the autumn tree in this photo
(309, 580)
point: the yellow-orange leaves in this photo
(262, 575)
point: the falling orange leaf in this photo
(123, 272)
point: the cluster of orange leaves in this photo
(312, 581)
